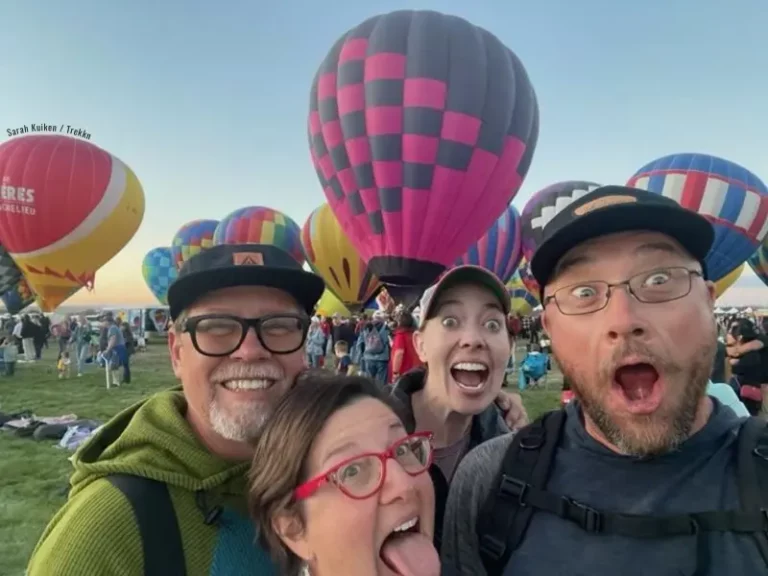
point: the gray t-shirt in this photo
(699, 477)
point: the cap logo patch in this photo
(248, 259)
(603, 202)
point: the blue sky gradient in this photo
(207, 101)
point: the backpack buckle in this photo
(512, 488)
(588, 518)
(492, 547)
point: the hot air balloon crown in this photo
(261, 225)
(416, 161)
(733, 199)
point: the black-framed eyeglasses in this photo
(652, 287)
(222, 334)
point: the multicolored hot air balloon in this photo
(331, 255)
(192, 238)
(17, 297)
(728, 280)
(526, 277)
(759, 262)
(733, 199)
(329, 304)
(259, 225)
(10, 275)
(523, 302)
(422, 128)
(499, 249)
(159, 271)
(544, 205)
(66, 208)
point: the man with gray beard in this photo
(160, 489)
(643, 473)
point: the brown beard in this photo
(668, 427)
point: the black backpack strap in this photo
(158, 526)
(505, 516)
(752, 473)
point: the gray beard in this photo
(241, 425)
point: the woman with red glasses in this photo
(339, 488)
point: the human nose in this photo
(471, 337)
(622, 315)
(398, 484)
(251, 349)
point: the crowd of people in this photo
(259, 466)
(79, 344)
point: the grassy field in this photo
(34, 476)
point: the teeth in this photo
(406, 525)
(260, 384)
(470, 366)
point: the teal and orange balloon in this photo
(260, 225)
(159, 271)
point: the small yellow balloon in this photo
(329, 305)
(728, 280)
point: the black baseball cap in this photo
(613, 209)
(229, 265)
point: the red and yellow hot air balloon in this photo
(331, 255)
(66, 208)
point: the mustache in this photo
(247, 371)
(659, 360)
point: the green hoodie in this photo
(96, 533)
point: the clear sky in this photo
(207, 101)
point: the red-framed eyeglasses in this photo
(362, 476)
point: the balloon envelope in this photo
(329, 304)
(191, 239)
(67, 208)
(422, 128)
(522, 301)
(544, 205)
(733, 199)
(759, 262)
(159, 271)
(499, 249)
(10, 275)
(18, 297)
(260, 225)
(331, 255)
(728, 280)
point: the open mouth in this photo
(639, 387)
(243, 385)
(408, 552)
(470, 376)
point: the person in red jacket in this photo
(404, 357)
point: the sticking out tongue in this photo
(411, 554)
(637, 381)
(469, 378)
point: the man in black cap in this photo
(643, 473)
(160, 489)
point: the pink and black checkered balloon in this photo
(422, 128)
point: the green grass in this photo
(34, 476)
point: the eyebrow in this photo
(568, 262)
(488, 305)
(352, 444)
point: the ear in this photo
(418, 345)
(288, 527)
(174, 351)
(545, 321)
(712, 291)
